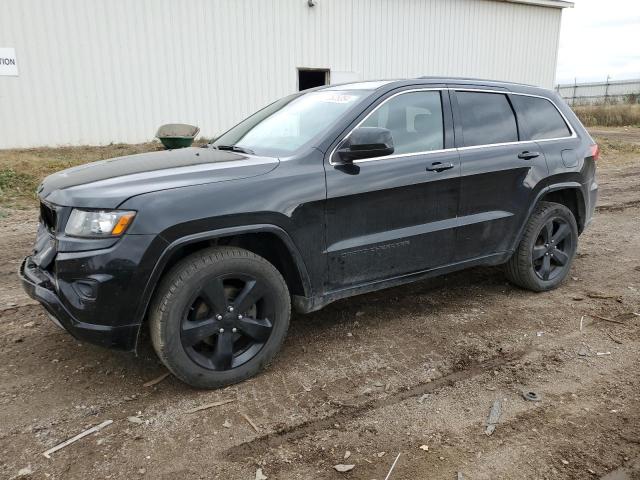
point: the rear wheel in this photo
(219, 317)
(545, 252)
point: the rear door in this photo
(499, 172)
(394, 215)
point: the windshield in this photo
(286, 125)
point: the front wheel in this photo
(547, 248)
(219, 317)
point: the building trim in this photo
(543, 3)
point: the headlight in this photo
(98, 223)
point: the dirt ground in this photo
(376, 375)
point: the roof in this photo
(469, 81)
(439, 80)
(365, 85)
(436, 81)
(543, 3)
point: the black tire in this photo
(536, 265)
(187, 315)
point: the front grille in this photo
(48, 216)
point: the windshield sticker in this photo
(336, 97)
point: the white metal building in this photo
(100, 71)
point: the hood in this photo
(108, 183)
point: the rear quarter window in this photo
(486, 118)
(539, 119)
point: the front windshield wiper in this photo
(234, 148)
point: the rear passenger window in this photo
(486, 118)
(539, 119)
(414, 119)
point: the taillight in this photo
(595, 151)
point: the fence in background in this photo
(601, 92)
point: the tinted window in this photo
(486, 118)
(415, 121)
(539, 119)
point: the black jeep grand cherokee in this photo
(321, 195)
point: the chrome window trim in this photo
(399, 155)
(427, 152)
(573, 132)
(387, 157)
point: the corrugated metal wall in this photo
(101, 71)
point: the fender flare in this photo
(549, 188)
(172, 247)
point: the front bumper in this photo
(39, 285)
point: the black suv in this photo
(321, 195)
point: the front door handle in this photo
(526, 155)
(439, 167)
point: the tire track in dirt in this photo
(618, 207)
(347, 412)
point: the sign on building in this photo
(8, 62)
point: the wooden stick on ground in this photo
(605, 319)
(77, 437)
(617, 340)
(246, 417)
(155, 381)
(392, 467)
(209, 405)
(601, 296)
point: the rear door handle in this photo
(439, 167)
(526, 155)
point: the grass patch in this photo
(620, 115)
(22, 170)
(610, 145)
(14, 185)
(616, 151)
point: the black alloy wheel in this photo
(219, 316)
(227, 322)
(543, 256)
(553, 249)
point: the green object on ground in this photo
(177, 135)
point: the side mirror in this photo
(366, 142)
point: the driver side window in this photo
(414, 119)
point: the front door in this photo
(394, 215)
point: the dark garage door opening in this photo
(312, 77)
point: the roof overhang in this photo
(543, 3)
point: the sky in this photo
(599, 38)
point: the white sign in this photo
(8, 62)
